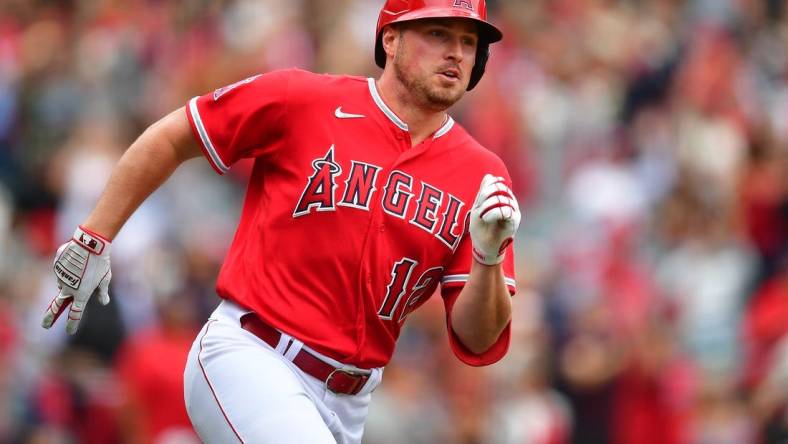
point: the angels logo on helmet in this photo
(463, 4)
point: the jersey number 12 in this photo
(398, 287)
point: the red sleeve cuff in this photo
(491, 355)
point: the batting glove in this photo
(81, 267)
(495, 217)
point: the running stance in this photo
(364, 198)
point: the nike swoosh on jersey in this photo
(341, 115)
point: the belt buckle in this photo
(362, 378)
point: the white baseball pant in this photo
(239, 389)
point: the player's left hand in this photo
(495, 217)
(81, 268)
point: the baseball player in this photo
(365, 196)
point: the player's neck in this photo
(421, 121)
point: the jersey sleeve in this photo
(455, 275)
(452, 282)
(241, 120)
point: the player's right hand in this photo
(495, 217)
(81, 268)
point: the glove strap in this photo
(92, 242)
(489, 259)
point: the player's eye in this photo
(438, 33)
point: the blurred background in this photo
(648, 145)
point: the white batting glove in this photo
(495, 217)
(81, 268)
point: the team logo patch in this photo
(225, 89)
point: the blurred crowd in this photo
(648, 145)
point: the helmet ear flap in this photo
(482, 55)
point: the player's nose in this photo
(454, 50)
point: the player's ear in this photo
(391, 39)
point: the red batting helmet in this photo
(396, 11)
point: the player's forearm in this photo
(483, 308)
(148, 162)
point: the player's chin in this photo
(451, 91)
(441, 100)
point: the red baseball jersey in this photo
(346, 228)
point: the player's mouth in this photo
(450, 75)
